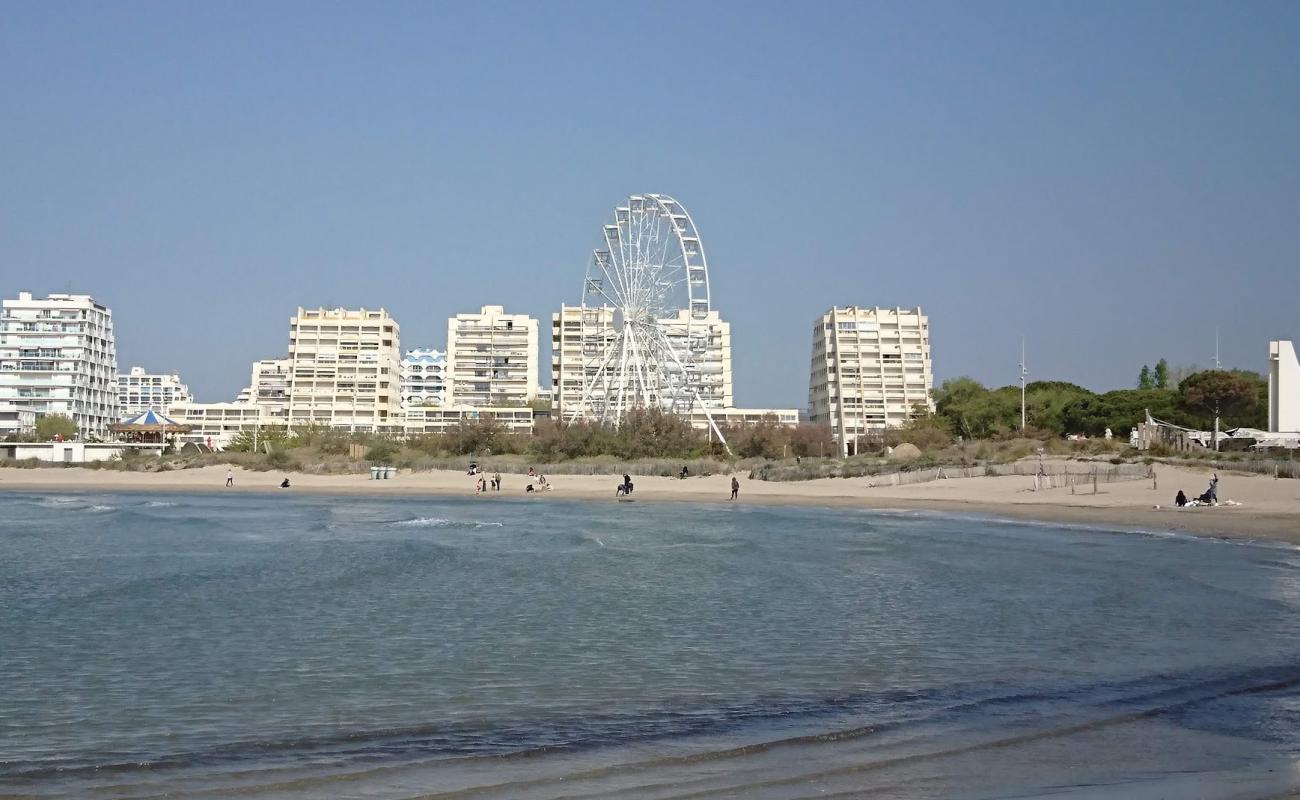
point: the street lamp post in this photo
(1023, 373)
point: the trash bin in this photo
(390, 472)
(374, 473)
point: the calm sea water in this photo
(293, 646)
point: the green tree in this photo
(975, 412)
(1161, 374)
(925, 430)
(53, 425)
(1228, 395)
(1145, 381)
(1120, 411)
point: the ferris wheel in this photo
(645, 312)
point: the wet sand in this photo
(1269, 508)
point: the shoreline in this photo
(1269, 509)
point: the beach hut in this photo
(148, 428)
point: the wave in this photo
(438, 522)
(1032, 713)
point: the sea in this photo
(290, 645)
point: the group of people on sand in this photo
(1210, 497)
(484, 483)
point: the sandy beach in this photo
(1268, 507)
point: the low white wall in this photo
(70, 452)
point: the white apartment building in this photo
(424, 378)
(578, 345)
(870, 367)
(138, 391)
(491, 358)
(217, 424)
(435, 419)
(709, 348)
(16, 420)
(345, 369)
(58, 356)
(268, 387)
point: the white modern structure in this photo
(491, 358)
(138, 391)
(440, 419)
(1283, 388)
(16, 420)
(424, 378)
(345, 369)
(217, 424)
(73, 452)
(870, 368)
(268, 387)
(650, 267)
(58, 356)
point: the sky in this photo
(1111, 181)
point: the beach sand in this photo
(1269, 508)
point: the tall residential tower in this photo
(492, 358)
(58, 355)
(870, 368)
(345, 369)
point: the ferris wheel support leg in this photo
(586, 395)
(713, 425)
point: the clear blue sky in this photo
(1111, 179)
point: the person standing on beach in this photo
(496, 481)
(735, 487)
(230, 477)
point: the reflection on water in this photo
(298, 646)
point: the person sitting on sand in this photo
(529, 488)
(531, 473)
(1181, 499)
(684, 473)
(284, 484)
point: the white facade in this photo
(345, 369)
(138, 391)
(424, 378)
(268, 387)
(1283, 388)
(432, 419)
(870, 368)
(16, 420)
(742, 417)
(578, 343)
(491, 358)
(74, 452)
(58, 355)
(217, 424)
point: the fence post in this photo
(1071, 484)
(1094, 480)
(1154, 487)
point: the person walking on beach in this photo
(230, 477)
(735, 487)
